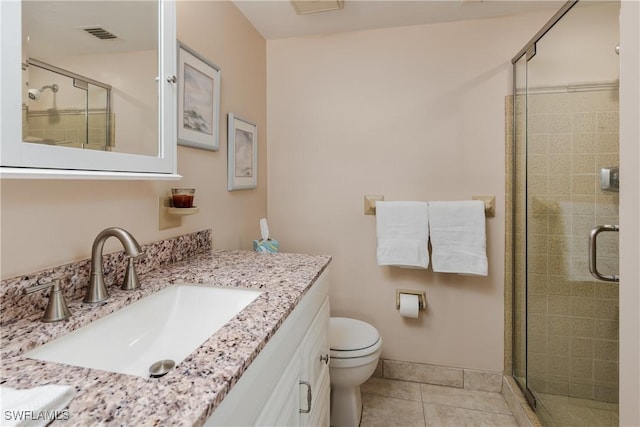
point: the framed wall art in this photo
(198, 100)
(243, 154)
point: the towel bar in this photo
(489, 204)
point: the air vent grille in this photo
(100, 33)
(303, 7)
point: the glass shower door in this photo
(571, 121)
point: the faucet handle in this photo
(57, 306)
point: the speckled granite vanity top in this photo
(192, 391)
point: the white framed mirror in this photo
(88, 89)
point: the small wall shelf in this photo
(170, 217)
(183, 211)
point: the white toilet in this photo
(355, 350)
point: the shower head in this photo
(34, 94)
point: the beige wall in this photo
(413, 113)
(46, 223)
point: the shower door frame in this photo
(528, 51)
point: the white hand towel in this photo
(36, 406)
(403, 232)
(458, 237)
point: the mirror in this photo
(75, 93)
(88, 86)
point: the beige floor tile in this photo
(392, 388)
(467, 399)
(448, 416)
(380, 411)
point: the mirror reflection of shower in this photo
(66, 109)
(34, 94)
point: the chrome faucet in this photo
(97, 291)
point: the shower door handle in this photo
(593, 255)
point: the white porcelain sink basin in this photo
(169, 324)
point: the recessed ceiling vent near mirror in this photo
(100, 33)
(303, 7)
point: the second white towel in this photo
(403, 233)
(458, 237)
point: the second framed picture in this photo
(198, 100)
(243, 154)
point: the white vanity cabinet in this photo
(288, 383)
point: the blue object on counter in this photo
(269, 245)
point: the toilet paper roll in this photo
(409, 305)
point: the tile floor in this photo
(391, 403)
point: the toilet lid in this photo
(347, 334)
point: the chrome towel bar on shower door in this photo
(593, 243)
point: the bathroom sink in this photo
(167, 325)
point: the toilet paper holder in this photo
(422, 299)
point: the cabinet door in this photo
(320, 413)
(314, 353)
(282, 408)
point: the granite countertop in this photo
(190, 392)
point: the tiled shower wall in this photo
(70, 128)
(572, 318)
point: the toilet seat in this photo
(352, 338)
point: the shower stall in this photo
(562, 170)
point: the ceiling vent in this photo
(304, 7)
(100, 33)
